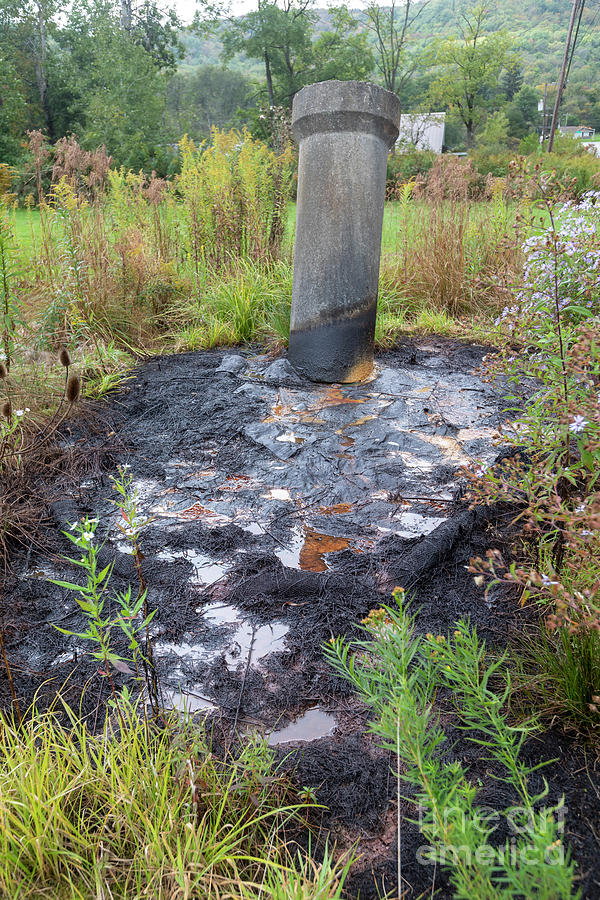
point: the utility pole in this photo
(575, 11)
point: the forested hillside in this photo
(536, 28)
(130, 76)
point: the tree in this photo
(469, 69)
(391, 28)
(157, 31)
(26, 30)
(208, 97)
(12, 112)
(125, 101)
(512, 80)
(522, 113)
(280, 36)
(341, 53)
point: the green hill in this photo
(537, 28)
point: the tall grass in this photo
(143, 813)
(448, 252)
(116, 262)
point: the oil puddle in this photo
(207, 570)
(413, 525)
(356, 424)
(334, 396)
(308, 549)
(288, 437)
(237, 483)
(311, 726)
(449, 447)
(188, 702)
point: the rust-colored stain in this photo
(236, 483)
(347, 442)
(362, 421)
(196, 511)
(334, 397)
(316, 545)
(337, 509)
(281, 410)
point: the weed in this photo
(91, 599)
(398, 673)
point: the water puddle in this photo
(184, 650)
(188, 702)
(220, 613)
(254, 528)
(308, 549)
(257, 640)
(207, 570)
(416, 525)
(311, 726)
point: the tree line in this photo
(114, 73)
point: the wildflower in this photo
(87, 535)
(21, 412)
(547, 581)
(578, 424)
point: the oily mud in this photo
(280, 513)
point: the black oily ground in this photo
(149, 423)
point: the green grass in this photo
(146, 812)
(434, 261)
(27, 228)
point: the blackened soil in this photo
(284, 512)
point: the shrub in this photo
(406, 164)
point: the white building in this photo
(425, 131)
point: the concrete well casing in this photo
(344, 129)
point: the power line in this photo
(566, 64)
(575, 41)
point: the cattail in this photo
(73, 389)
(7, 409)
(3, 370)
(64, 358)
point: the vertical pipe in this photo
(344, 129)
